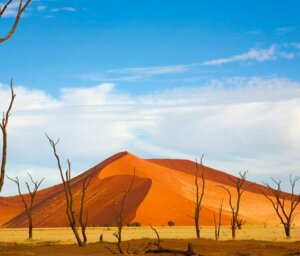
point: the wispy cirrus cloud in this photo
(12, 9)
(286, 30)
(138, 73)
(63, 9)
(274, 52)
(254, 54)
(158, 70)
(41, 8)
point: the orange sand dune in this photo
(163, 190)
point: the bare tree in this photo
(199, 195)
(235, 207)
(28, 205)
(66, 179)
(20, 9)
(145, 249)
(218, 222)
(3, 126)
(120, 215)
(284, 204)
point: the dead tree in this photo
(66, 179)
(199, 195)
(145, 249)
(20, 9)
(235, 207)
(3, 126)
(284, 204)
(240, 223)
(218, 222)
(160, 249)
(28, 205)
(120, 215)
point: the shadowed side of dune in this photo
(11, 207)
(102, 202)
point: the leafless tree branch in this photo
(279, 200)
(66, 179)
(3, 127)
(120, 215)
(235, 207)
(218, 222)
(21, 8)
(28, 206)
(199, 194)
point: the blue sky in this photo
(65, 43)
(157, 78)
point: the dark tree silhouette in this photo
(66, 179)
(235, 207)
(199, 194)
(3, 126)
(21, 8)
(28, 205)
(218, 222)
(284, 204)
(145, 249)
(120, 215)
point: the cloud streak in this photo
(63, 9)
(273, 53)
(254, 54)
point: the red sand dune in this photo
(163, 190)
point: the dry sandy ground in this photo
(252, 241)
(202, 246)
(65, 235)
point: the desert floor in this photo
(251, 240)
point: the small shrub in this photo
(171, 223)
(134, 224)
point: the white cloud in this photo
(274, 52)
(41, 8)
(287, 55)
(253, 54)
(158, 70)
(239, 123)
(138, 73)
(63, 9)
(286, 30)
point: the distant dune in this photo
(163, 190)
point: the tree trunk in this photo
(233, 226)
(197, 223)
(197, 231)
(30, 227)
(3, 163)
(287, 229)
(79, 242)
